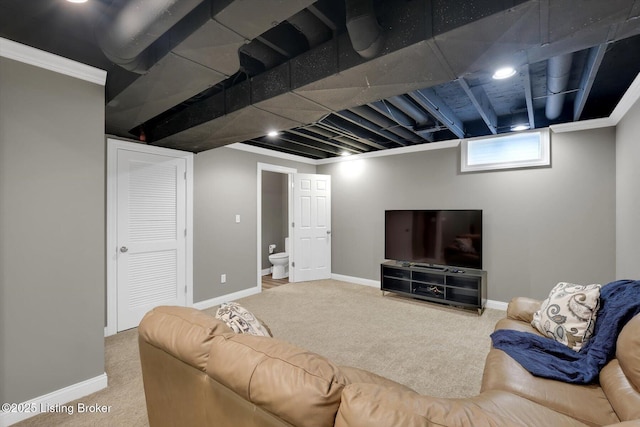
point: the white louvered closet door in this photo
(151, 230)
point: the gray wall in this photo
(274, 213)
(225, 184)
(628, 195)
(541, 226)
(52, 231)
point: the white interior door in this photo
(311, 228)
(151, 234)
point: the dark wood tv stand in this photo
(462, 287)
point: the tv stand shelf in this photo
(463, 287)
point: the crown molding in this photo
(452, 143)
(272, 153)
(39, 58)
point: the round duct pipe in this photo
(136, 26)
(363, 28)
(558, 71)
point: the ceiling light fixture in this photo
(273, 133)
(345, 153)
(504, 73)
(520, 127)
(77, 1)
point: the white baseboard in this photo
(203, 305)
(496, 305)
(356, 280)
(56, 399)
(266, 271)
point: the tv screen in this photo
(442, 237)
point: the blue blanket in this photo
(547, 358)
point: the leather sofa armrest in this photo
(522, 308)
(183, 332)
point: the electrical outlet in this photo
(223, 278)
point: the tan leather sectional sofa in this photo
(198, 372)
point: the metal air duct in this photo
(363, 28)
(136, 26)
(558, 71)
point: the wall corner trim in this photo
(58, 397)
(39, 58)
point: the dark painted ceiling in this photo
(336, 76)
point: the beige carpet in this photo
(433, 349)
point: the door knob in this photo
(328, 231)
(124, 249)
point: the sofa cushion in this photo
(369, 405)
(568, 315)
(356, 375)
(299, 386)
(501, 372)
(241, 320)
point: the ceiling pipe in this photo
(363, 28)
(558, 71)
(136, 26)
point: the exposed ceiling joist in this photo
(337, 134)
(372, 127)
(596, 54)
(350, 129)
(286, 147)
(388, 124)
(430, 101)
(528, 95)
(480, 100)
(305, 133)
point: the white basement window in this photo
(518, 150)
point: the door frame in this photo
(113, 146)
(279, 169)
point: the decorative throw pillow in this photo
(241, 320)
(568, 315)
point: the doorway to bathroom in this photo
(304, 251)
(274, 211)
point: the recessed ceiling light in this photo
(504, 73)
(77, 1)
(273, 133)
(517, 128)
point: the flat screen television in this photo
(440, 237)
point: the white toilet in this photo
(280, 262)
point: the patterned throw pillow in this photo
(568, 315)
(241, 320)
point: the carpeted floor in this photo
(433, 349)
